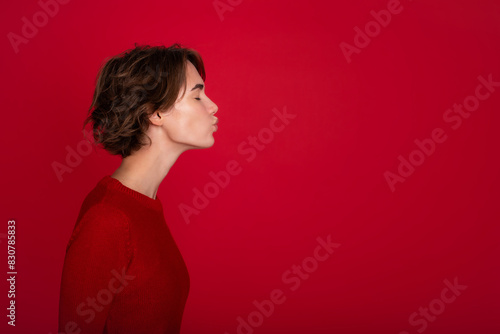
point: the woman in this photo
(123, 272)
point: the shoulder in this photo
(104, 216)
(102, 222)
(103, 212)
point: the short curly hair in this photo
(130, 87)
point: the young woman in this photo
(123, 272)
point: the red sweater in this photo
(123, 272)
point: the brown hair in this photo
(133, 85)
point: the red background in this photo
(322, 175)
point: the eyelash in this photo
(197, 98)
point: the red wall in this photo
(375, 155)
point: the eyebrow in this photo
(197, 86)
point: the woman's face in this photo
(191, 121)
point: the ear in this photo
(156, 118)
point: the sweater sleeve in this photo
(97, 256)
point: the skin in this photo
(188, 124)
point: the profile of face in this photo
(190, 122)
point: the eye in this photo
(197, 98)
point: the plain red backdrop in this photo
(322, 175)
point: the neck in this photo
(145, 169)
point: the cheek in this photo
(197, 118)
(192, 123)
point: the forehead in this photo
(192, 74)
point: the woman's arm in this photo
(97, 256)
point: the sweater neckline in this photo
(112, 183)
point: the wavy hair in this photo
(130, 87)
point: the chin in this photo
(207, 144)
(212, 142)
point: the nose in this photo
(213, 108)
